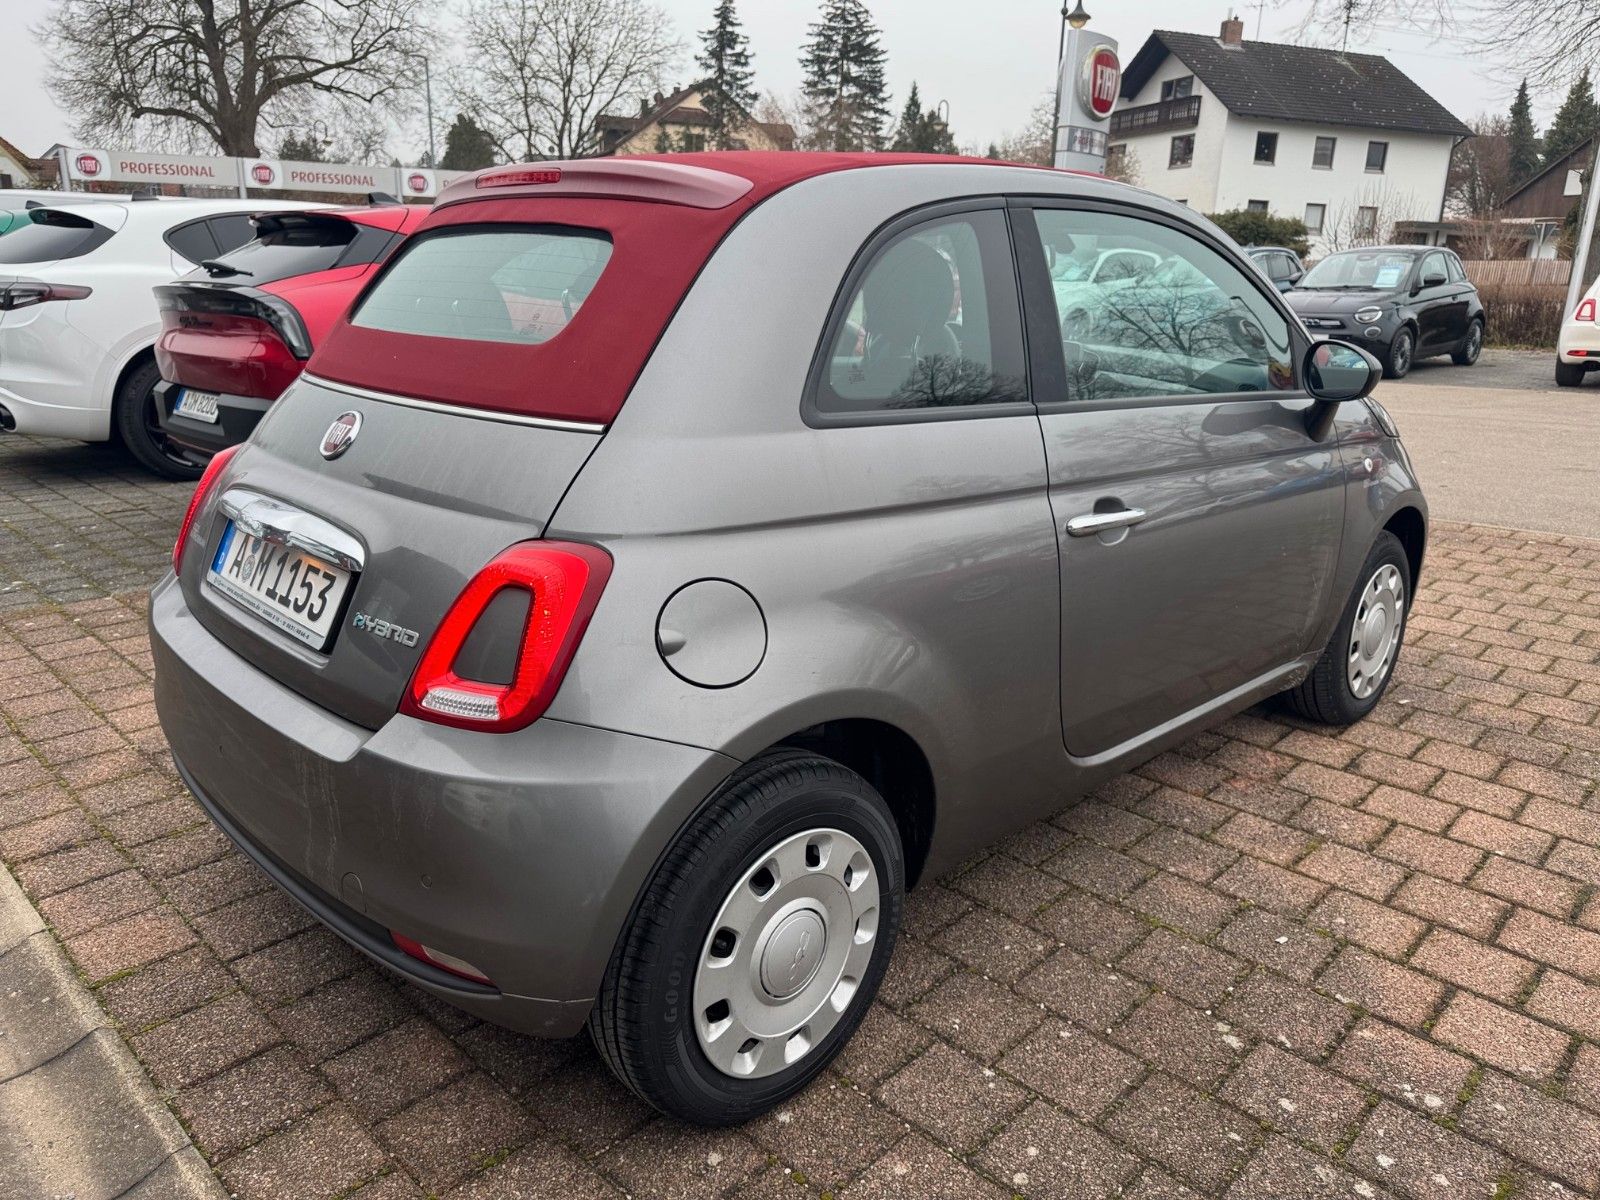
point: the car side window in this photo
(1432, 264)
(1277, 266)
(232, 231)
(1195, 324)
(1458, 273)
(193, 241)
(932, 323)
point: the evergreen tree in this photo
(664, 142)
(1522, 138)
(844, 84)
(730, 92)
(1577, 120)
(922, 132)
(466, 146)
(301, 147)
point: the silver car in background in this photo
(668, 562)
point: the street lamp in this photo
(1077, 18)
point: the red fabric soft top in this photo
(585, 372)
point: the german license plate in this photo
(295, 592)
(197, 406)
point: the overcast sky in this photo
(989, 61)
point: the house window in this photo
(693, 143)
(1322, 154)
(1315, 214)
(1256, 206)
(1367, 220)
(1182, 152)
(1377, 156)
(5, 180)
(1266, 148)
(1177, 89)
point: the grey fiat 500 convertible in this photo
(666, 563)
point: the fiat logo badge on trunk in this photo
(340, 434)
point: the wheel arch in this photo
(1411, 528)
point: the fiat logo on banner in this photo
(263, 173)
(417, 182)
(1097, 87)
(88, 164)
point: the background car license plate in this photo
(295, 592)
(197, 406)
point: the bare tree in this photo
(1031, 143)
(1480, 176)
(1550, 40)
(1368, 220)
(543, 72)
(187, 74)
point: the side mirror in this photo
(1433, 279)
(1332, 373)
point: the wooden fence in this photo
(1513, 271)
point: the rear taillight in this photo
(1586, 310)
(231, 310)
(208, 480)
(25, 293)
(563, 581)
(438, 958)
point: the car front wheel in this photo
(758, 945)
(1398, 359)
(1358, 662)
(134, 412)
(1471, 347)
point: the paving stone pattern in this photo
(1271, 964)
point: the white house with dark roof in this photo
(1347, 142)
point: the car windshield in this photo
(1369, 270)
(50, 235)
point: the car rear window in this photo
(292, 246)
(515, 285)
(51, 235)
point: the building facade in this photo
(680, 123)
(16, 168)
(1345, 142)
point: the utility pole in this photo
(1580, 252)
(427, 91)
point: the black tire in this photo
(643, 1022)
(1569, 374)
(1397, 359)
(1325, 696)
(134, 416)
(1467, 353)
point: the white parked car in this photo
(1578, 343)
(78, 320)
(21, 197)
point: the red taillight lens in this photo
(517, 178)
(208, 480)
(24, 293)
(1586, 310)
(438, 958)
(563, 581)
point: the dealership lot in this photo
(1272, 964)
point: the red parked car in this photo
(237, 331)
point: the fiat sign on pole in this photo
(1091, 78)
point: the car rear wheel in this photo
(1471, 347)
(134, 412)
(1569, 374)
(1397, 361)
(1355, 668)
(758, 945)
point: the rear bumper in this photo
(237, 417)
(519, 853)
(32, 415)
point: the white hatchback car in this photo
(78, 320)
(1578, 343)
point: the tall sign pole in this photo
(1578, 281)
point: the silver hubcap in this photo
(1375, 634)
(786, 953)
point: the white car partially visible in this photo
(1578, 343)
(78, 320)
(13, 198)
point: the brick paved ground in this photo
(1272, 964)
